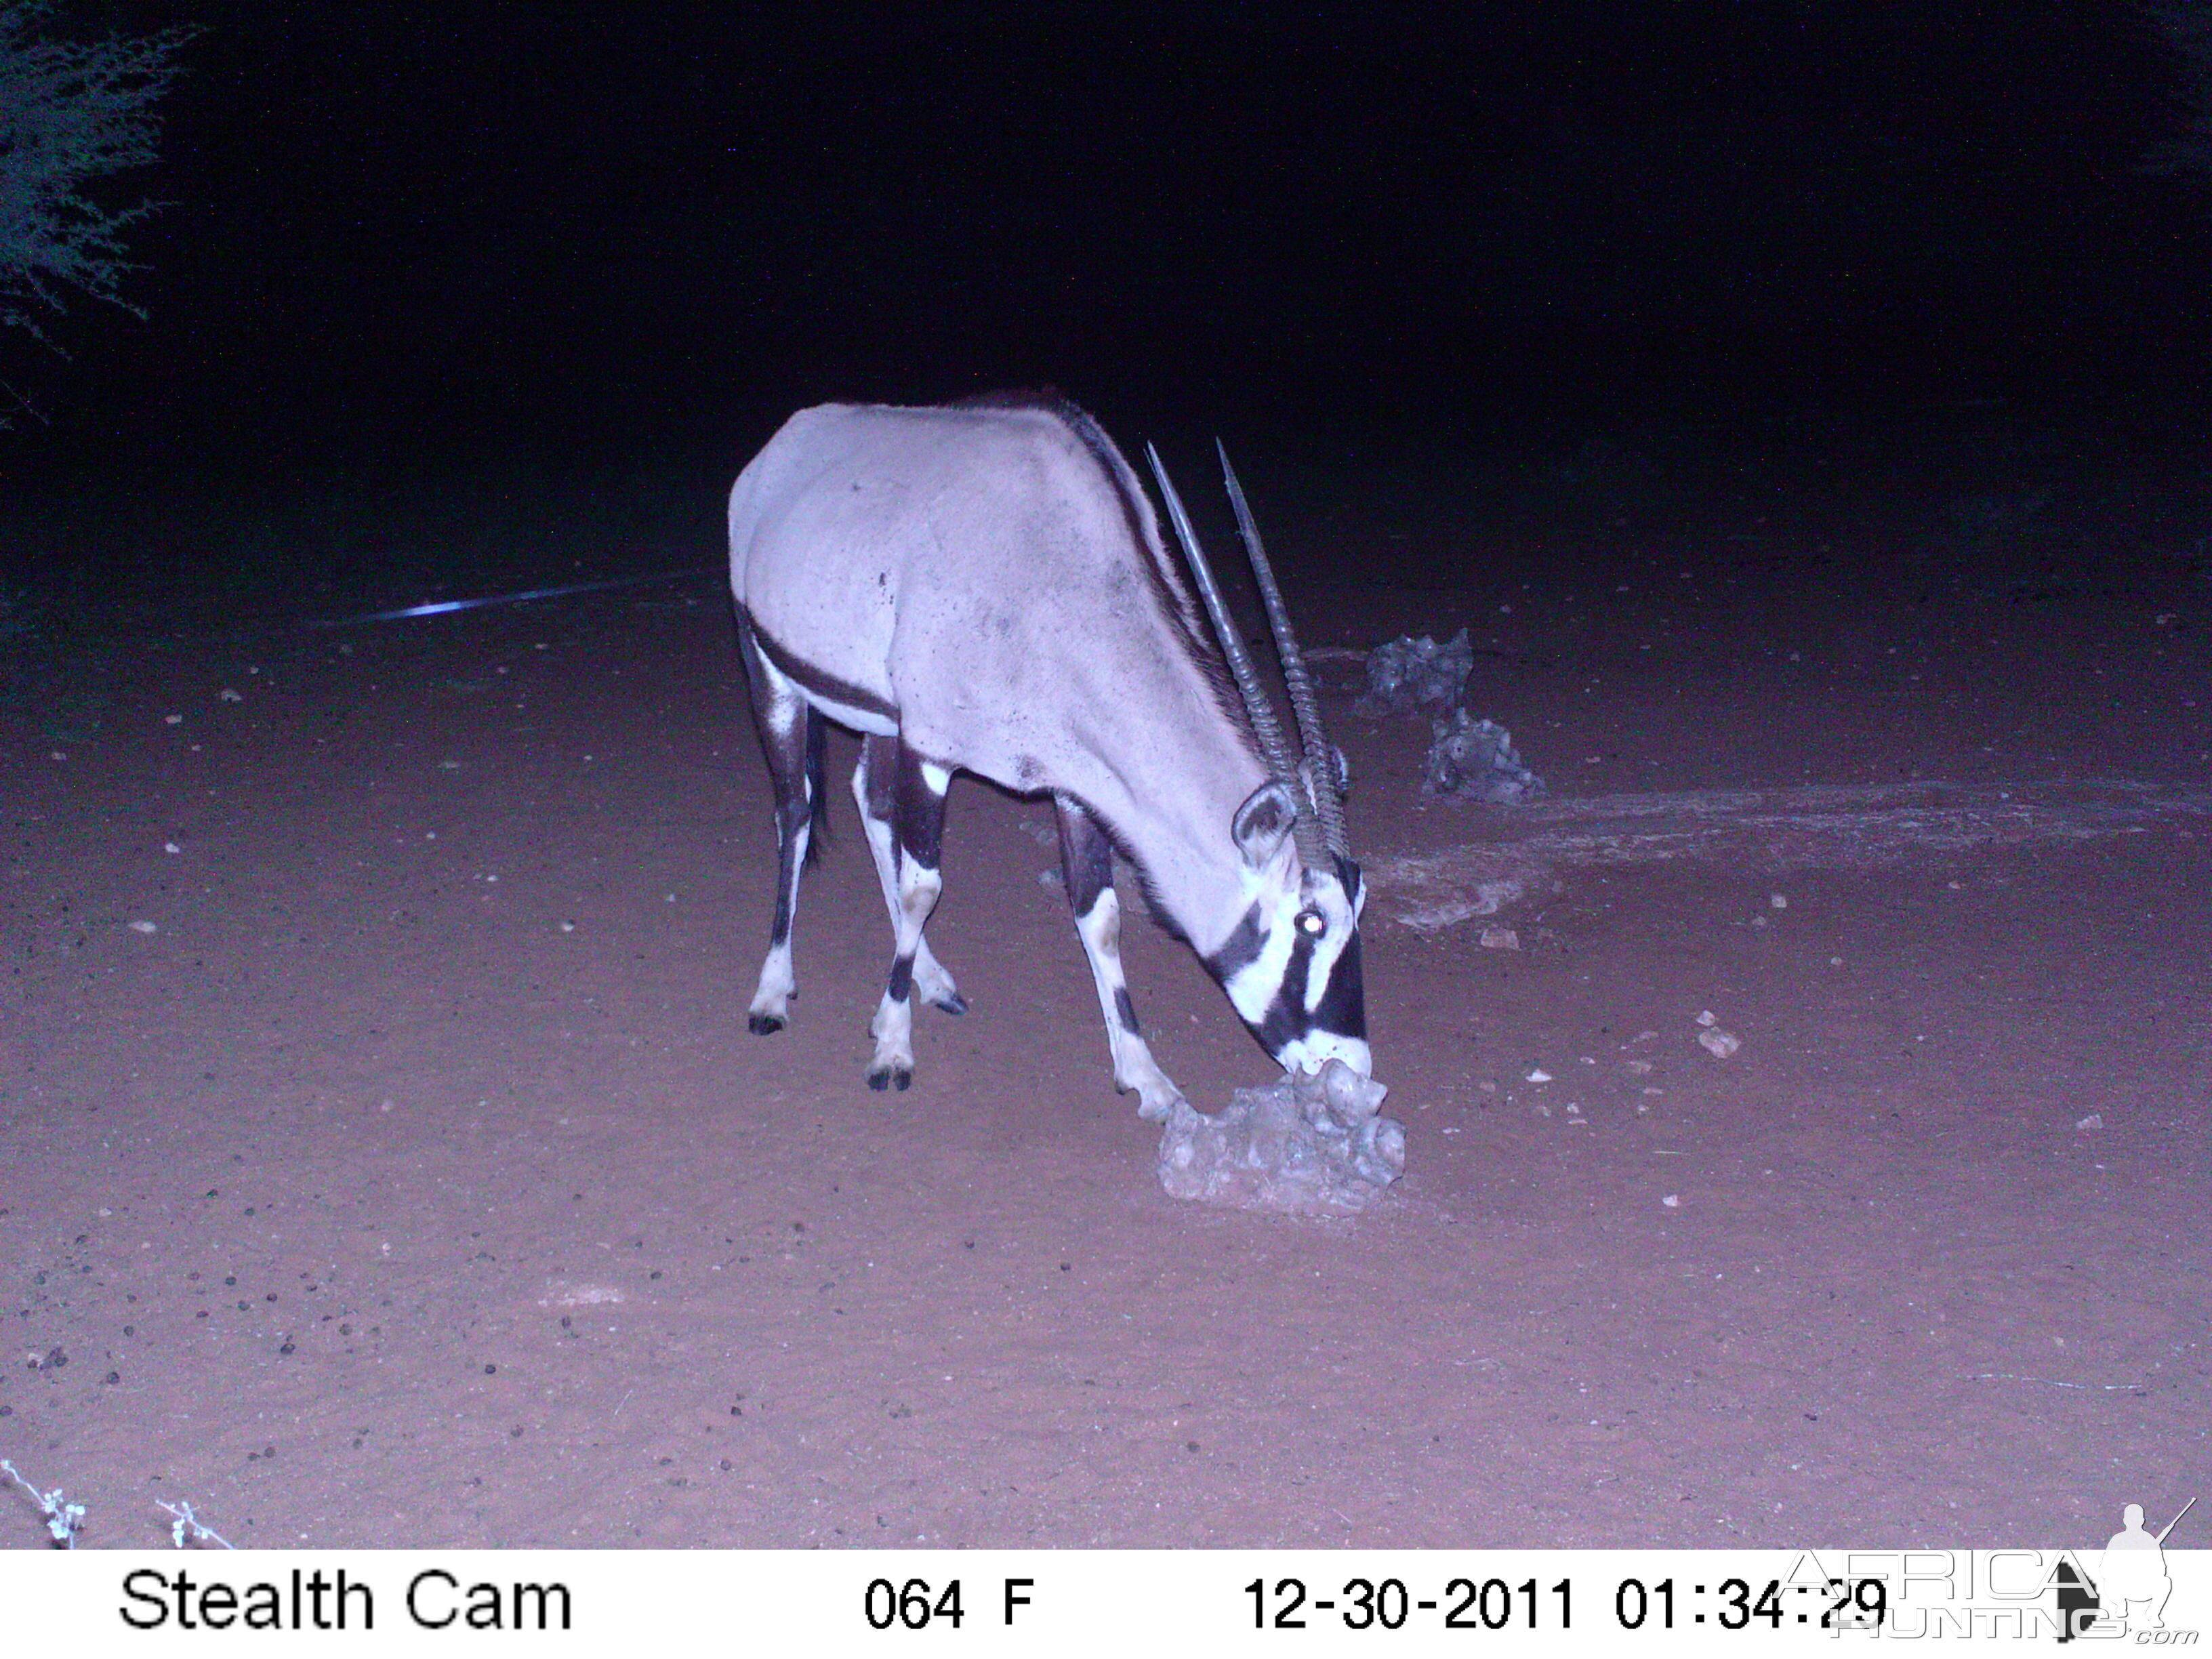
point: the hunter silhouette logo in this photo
(2131, 1585)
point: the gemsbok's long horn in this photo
(1257, 705)
(1320, 757)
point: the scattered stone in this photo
(1718, 1043)
(1672, 1200)
(1778, 900)
(1307, 1144)
(2094, 1121)
(1708, 1017)
(1498, 937)
(228, 695)
(145, 927)
(1538, 1074)
(172, 720)
(1639, 1067)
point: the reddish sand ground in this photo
(415, 1181)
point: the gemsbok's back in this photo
(983, 588)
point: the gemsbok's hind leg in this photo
(1086, 866)
(875, 788)
(917, 821)
(787, 730)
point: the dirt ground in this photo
(412, 1178)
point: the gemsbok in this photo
(984, 587)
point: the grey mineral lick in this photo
(1409, 676)
(1309, 1144)
(1473, 760)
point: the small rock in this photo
(1708, 1017)
(1640, 1067)
(1539, 1075)
(1718, 1043)
(172, 720)
(1495, 937)
(228, 695)
(1672, 1200)
(1779, 901)
(145, 927)
(2092, 1121)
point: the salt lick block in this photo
(1309, 1144)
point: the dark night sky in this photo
(605, 228)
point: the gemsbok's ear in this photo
(1263, 822)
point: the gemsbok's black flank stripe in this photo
(827, 686)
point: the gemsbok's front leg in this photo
(790, 738)
(1086, 866)
(917, 825)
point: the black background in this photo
(594, 242)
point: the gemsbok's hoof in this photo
(764, 1025)
(890, 1076)
(953, 1002)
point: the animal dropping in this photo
(1311, 1143)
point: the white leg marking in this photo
(934, 982)
(893, 1025)
(1134, 1065)
(772, 998)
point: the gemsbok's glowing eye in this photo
(1312, 924)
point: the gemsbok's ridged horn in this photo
(1319, 757)
(1257, 705)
